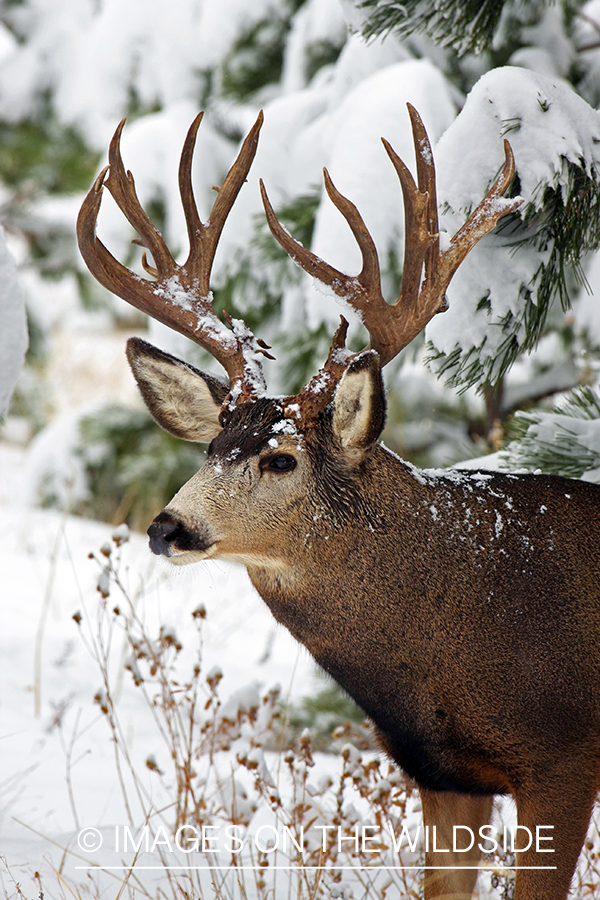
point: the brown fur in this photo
(461, 610)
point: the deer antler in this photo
(178, 295)
(427, 269)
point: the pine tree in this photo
(542, 320)
(522, 329)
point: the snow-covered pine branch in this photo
(500, 297)
(463, 25)
(564, 441)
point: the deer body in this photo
(473, 659)
(450, 606)
(461, 610)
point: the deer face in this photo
(268, 475)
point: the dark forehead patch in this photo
(247, 428)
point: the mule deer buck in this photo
(460, 610)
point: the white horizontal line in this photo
(316, 868)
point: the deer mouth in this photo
(187, 557)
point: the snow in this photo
(49, 678)
(13, 325)
(335, 120)
(252, 355)
(55, 471)
(289, 164)
(285, 426)
(317, 20)
(544, 120)
(91, 55)
(586, 308)
(360, 169)
(223, 21)
(63, 802)
(570, 436)
(546, 124)
(548, 36)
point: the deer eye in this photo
(280, 462)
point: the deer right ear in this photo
(359, 403)
(183, 400)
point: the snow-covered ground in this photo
(58, 770)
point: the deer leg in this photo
(444, 811)
(562, 802)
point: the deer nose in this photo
(162, 532)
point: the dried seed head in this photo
(103, 585)
(153, 765)
(101, 700)
(121, 535)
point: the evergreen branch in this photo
(464, 25)
(563, 227)
(564, 441)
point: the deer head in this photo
(267, 438)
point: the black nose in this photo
(162, 532)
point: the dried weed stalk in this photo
(219, 771)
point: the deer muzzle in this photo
(169, 536)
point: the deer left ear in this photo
(183, 400)
(359, 403)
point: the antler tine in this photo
(427, 185)
(233, 181)
(425, 166)
(122, 187)
(484, 217)
(313, 265)
(178, 296)
(420, 240)
(369, 277)
(204, 238)
(358, 290)
(186, 192)
(111, 274)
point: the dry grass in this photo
(231, 764)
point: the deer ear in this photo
(359, 403)
(184, 401)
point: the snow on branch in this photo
(564, 441)
(464, 25)
(500, 297)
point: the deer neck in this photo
(326, 588)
